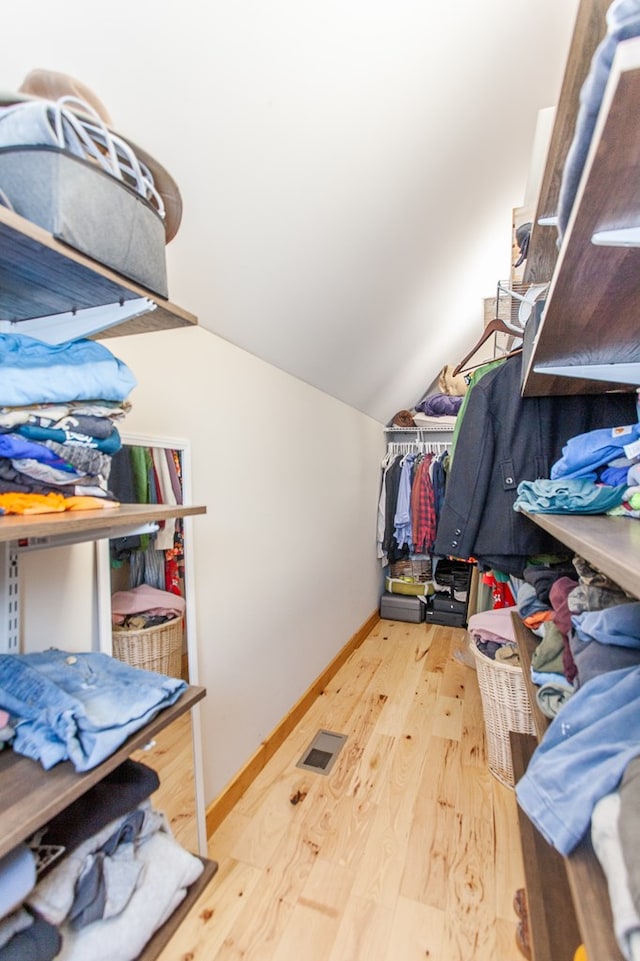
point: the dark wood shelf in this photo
(164, 934)
(590, 319)
(31, 796)
(610, 544)
(590, 27)
(552, 921)
(583, 880)
(40, 276)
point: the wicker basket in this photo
(417, 568)
(506, 707)
(156, 648)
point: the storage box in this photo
(455, 575)
(400, 607)
(88, 209)
(441, 608)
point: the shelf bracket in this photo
(618, 237)
(622, 373)
(58, 328)
(10, 599)
(10, 640)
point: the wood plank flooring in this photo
(408, 849)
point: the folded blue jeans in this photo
(78, 707)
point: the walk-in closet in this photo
(320, 481)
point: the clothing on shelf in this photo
(78, 707)
(17, 878)
(607, 844)
(117, 883)
(115, 795)
(54, 439)
(582, 757)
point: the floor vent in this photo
(321, 754)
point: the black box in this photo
(402, 607)
(441, 608)
(88, 209)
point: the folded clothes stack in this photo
(598, 473)
(78, 707)
(98, 879)
(59, 406)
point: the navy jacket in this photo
(504, 439)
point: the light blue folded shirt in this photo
(32, 372)
(583, 454)
(567, 496)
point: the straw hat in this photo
(51, 85)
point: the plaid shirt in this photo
(423, 508)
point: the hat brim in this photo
(164, 182)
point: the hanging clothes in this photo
(504, 439)
(412, 485)
(423, 507)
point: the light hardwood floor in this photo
(408, 849)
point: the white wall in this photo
(285, 568)
(348, 168)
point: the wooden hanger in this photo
(495, 326)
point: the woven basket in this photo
(156, 648)
(417, 568)
(506, 707)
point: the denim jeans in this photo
(582, 756)
(79, 707)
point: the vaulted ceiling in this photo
(348, 169)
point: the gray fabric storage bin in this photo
(89, 210)
(402, 607)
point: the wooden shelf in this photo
(40, 276)
(590, 27)
(164, 934)
(610, 544)
(31, 796)
(590, 318)
(552, 921)
(88, 525)
(584, 886)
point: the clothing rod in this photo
(421, 447)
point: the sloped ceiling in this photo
(348, 167)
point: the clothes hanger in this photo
(490, 360)
(499, 326)
(495, 326)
